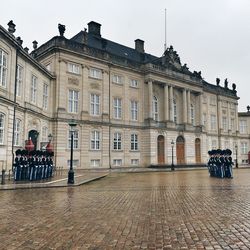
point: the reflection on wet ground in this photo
(154, 210)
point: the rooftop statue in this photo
(61, 29)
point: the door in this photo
(180, 150)
(197, 150)
(161, 149)
(33, 134)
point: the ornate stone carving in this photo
(73, 80)
(95, 85)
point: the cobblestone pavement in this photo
(153, 210)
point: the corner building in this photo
(128, 105)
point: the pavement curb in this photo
(44, 185)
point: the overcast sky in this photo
(210, 36)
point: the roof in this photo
(111, 47)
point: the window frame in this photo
(17, 132)
(95, 104)
(2, 127)
(134, 110)
(95, 140)
(117, 108)
(73, 102)
(33, 89)
(3, 68)
(117, 141)
(134, 142)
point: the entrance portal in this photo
(198, 150)
(33, 134)
(161, 149)
(180, 150)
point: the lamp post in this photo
(172, 146)
(72, 124)
(236, 153)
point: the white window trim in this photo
(117, 141)
(19, 80)
(134, 142)
(95, 140)
(45, 95)
(3, 68)
(95, 104)
(2, 132)
(134, 110)
(33, 89)
(95, 73)
(117, 102)
(73, 102)
(74, 68)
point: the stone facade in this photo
(128, 105)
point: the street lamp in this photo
(236, 153)
(72, 124)
(172, 146)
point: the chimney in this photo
(94, 28)
(139, 45)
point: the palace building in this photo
(130, 107)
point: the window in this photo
(213, 122)
(134, 162)
(73, 68)
(95, 140)
(33, 89)
(117, 108)
(192, 115)
(117, 141)
(117, 162)
(134, 142)
(95, 163)
(94, 104)
(17, 132)
(44, 134)
(175, 111)
(45, 95)
(243, 127)
(232, 124)
(155, 109)
(95, 73)
(75, 139)
(19, 80)
(3, 68)
(244, 148)
(214, 144)
(2, 120)
(212, 100)
(75, 163)
(134, 110)
(117, 79)
(134, 83)
(224, 123)
(226, 144)
(73, 101)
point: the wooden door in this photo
(198, 150)
(180, 150)
(161, 149)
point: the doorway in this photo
(161, 149)
(180, 150)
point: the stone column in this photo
(200, 109)
(237, 117)
(184, 102)
(188, 107)
(166, 106)
(150, 99)
(171, 98)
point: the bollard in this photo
(3, 177)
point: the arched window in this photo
(2, 120)
(155, 109)
(192, 115)
(174, 111)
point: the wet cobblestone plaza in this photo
(153, 210)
